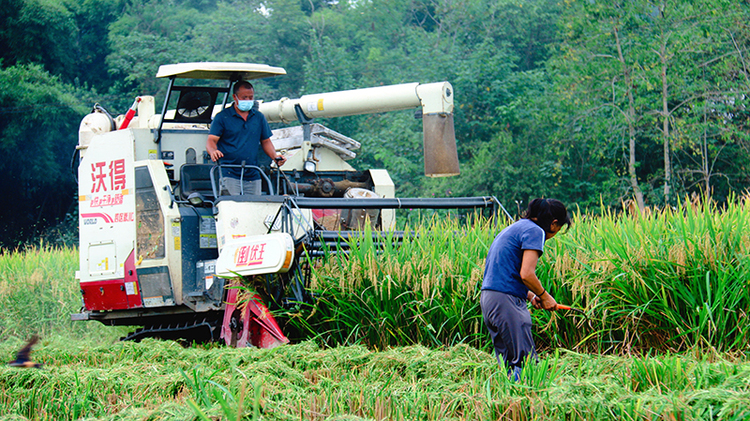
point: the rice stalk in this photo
(672, 280)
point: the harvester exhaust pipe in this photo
(436, 100)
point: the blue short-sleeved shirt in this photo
(502, 271)
(239, 140)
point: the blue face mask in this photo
(245, 105)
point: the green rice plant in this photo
(38, 293)
(208, 393)
(671, 280)
(202, 387)
(423, 291)
(541, 374)
(665, 374)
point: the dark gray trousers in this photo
(509, 322)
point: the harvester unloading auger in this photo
(162, 247)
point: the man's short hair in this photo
(242, 84)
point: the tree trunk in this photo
(665, 120)
(704, 158)
(630, 117)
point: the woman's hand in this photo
(534, 300)
(547, 301)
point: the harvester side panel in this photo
(106, 196)
(114, 294)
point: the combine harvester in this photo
(162, 248)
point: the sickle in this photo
(564, 307)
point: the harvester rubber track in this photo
(197, 330)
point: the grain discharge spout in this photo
(434, 99)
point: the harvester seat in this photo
(196, 178)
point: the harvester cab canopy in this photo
(219, 71)
(195, 104)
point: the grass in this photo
(160, 380)
(421, 292)
(678, 277)
(397, 335)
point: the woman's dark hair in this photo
(544, 211)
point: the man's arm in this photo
(212, 147)
(270, 150)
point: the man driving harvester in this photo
(510, 280)
(235, 135)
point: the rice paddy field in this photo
(396, 334)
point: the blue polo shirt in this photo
(502, 272)
(239, 140)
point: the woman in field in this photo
(510, 280)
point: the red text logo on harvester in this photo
(249, 255)
(115, 174)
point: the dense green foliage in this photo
(587, 101)
(659, 84)
(37, 140)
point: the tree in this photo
(642, 60)
(596, 72)
(92, 18)
(708, 119)
(488, 50)
(148, 34)
(39, 31)
(38, 136)
(694, 56)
